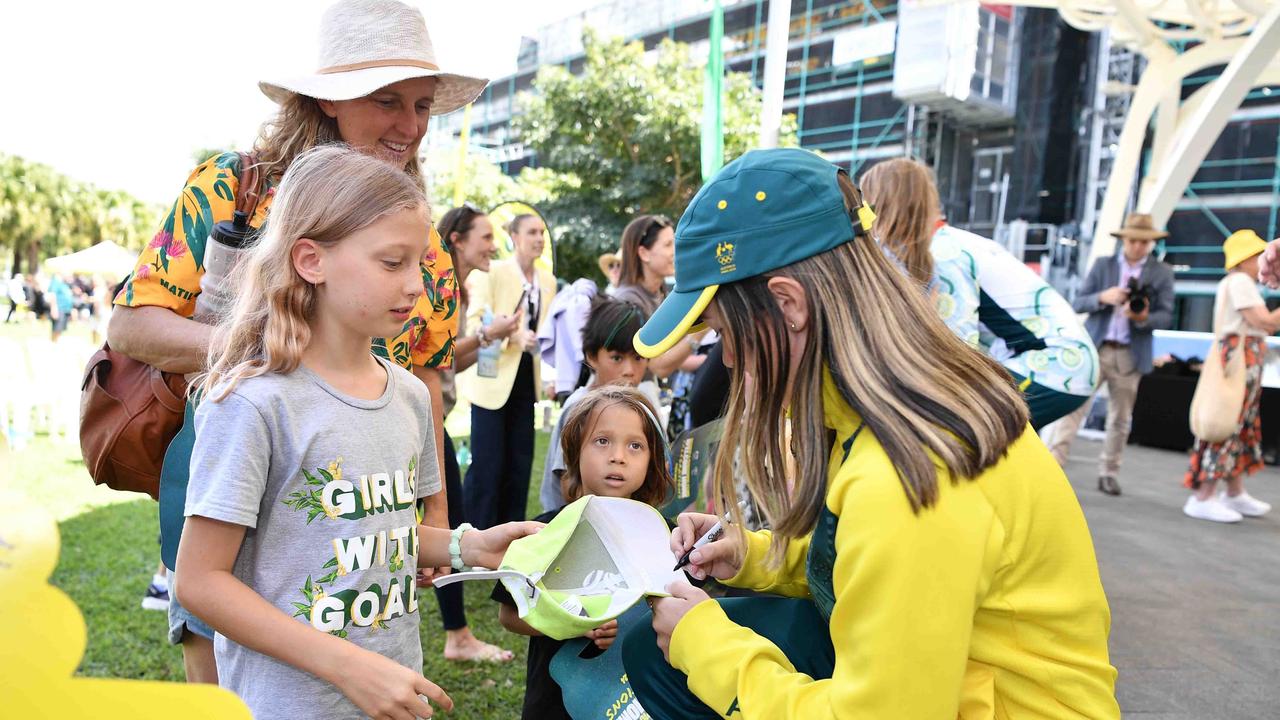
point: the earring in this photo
(793, 326)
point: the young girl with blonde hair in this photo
(301, 539)
(378, 83)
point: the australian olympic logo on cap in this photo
(724, 256)
(799, 211)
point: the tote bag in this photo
(1219, 398)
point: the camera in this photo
(1139, 296)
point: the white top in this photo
(1236, 292)
(998, 305)
(532, 303)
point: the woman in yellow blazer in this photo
(497, 484)
(941, 563)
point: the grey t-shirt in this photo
(549, 493)
(325, 484)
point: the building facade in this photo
(1017, 112)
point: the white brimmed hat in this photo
(370, 44)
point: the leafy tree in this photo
(624, 138)
(44, 213)
(486, 186)
(483, 182)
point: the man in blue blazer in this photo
(1120, 322)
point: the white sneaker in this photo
(1245, 504)
(1210, 509)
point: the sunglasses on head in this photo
(657, 223)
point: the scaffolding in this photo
(839, 83)
(1115, 76)
(844, 109)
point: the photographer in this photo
(1127, 296)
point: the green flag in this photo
(712, 110)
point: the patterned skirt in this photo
(1240, 454)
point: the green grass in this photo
(107, 558)
(109, 551)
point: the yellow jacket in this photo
(986, 605)
(499, 291)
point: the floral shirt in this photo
(169, 269)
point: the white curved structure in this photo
(1242, 34)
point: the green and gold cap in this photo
(764, 211)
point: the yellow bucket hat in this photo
(1240, 246)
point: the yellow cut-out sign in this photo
(42, 639)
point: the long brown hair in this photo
(641, 232)
(298, 126)
(581, 421)
(905, 198)
(328, 193)
(458, 220)
(920, 391)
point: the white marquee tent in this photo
(108, 259)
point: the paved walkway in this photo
(1195, 606)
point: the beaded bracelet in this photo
(455, 547)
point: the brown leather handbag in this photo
(130, 411)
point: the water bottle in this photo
(227, 243)
(487, 357)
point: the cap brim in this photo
(676, 317)
(452, 91)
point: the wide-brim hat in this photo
(764, 211)
(607, 261)
(370, 44)
(1240, 246)
(1140, 225)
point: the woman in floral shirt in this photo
(376, 96)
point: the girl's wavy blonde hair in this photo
(328, 193)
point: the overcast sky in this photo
(121, 93)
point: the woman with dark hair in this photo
(468, 235)
(648, 259)
(933, 558)
(497, 485)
